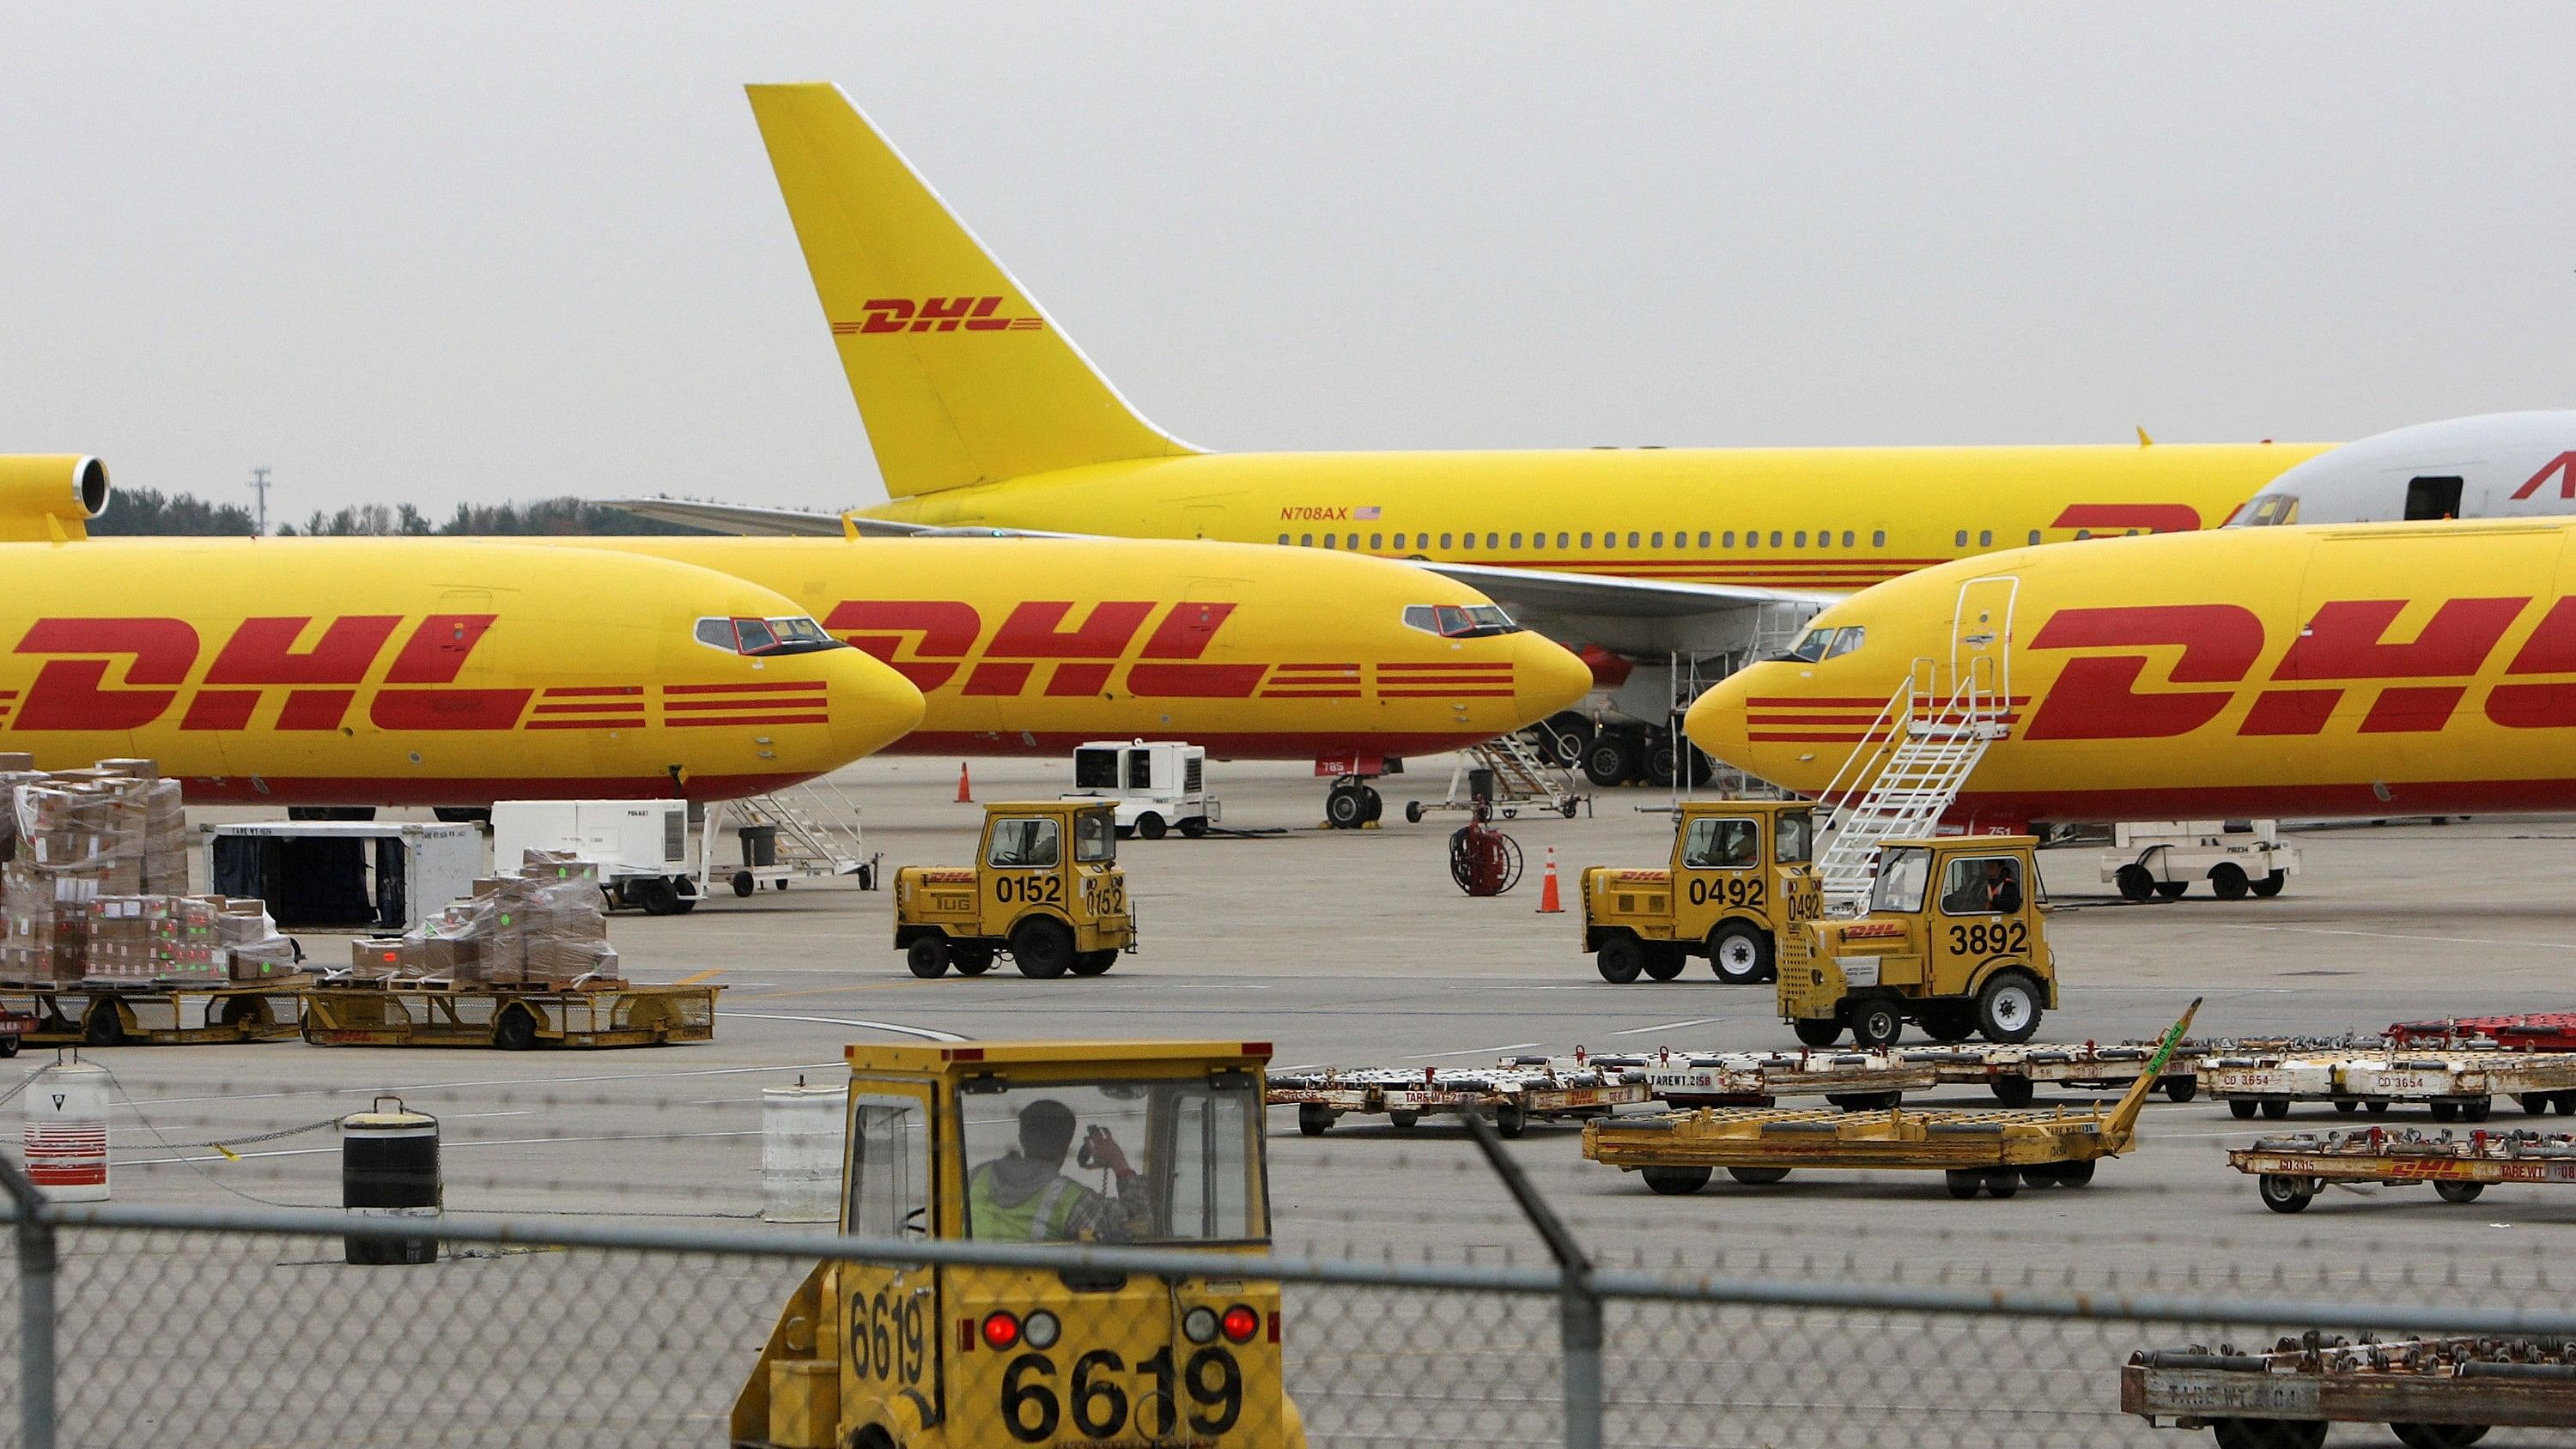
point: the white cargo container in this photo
(1156, 786)
(646, 852)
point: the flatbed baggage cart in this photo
(512, 1018)
(1850, 1080)
(2289, 1171)
(155, 1014)
(2455, 1085)
(2434, 1393)
(1994, 1151)
(14, 1026)
(1513, 1096)
(2015, 1073)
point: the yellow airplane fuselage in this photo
(1814, 519)
(2358, 671)
(417, 672)
(1031, 646)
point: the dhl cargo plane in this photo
(2369, 670)
(411, 671)
(1033, 645)
(983, 413)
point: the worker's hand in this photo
(1105, 1152)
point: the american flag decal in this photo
(1365, 515)
(686, 706)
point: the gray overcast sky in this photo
(482, 251)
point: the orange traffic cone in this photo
(1548, 904)
(965, 788)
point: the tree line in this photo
(150, 512)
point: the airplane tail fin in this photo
(958, 376)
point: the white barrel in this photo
(800, 1153)
(67, 1132)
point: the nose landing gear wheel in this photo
(1350, 805)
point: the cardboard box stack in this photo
(544, 926)
(95, 885)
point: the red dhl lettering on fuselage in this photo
(320, 681)
(937, 643)
(2416, 686)
(934, 314)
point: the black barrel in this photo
(389, 1169)
(760, 845)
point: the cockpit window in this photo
(1460, 621)
(2270, 508)
(796, 635)
(1818, 644)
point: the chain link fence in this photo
(604, 1279)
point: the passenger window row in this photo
(1636, 539)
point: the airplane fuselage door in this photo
(1981, 635)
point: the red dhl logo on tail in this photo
(939, 642)
(935, 314)
(2419, 684)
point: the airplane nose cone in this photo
(1716, 722)
(871, 706)
(1546, 677)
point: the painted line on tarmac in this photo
(923, 1032)
(496, 1082)
(1668, 1026)
(2401, 936)
(1469, 1052)
(444, 1145)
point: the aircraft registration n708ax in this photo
(2358, 671)
(1033, 645)
(982, 412)
(411, 671)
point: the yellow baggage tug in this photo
(1996, 1151)
(1742, 872)
(1046, 886)
(1155, 1144)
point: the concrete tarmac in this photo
(1355, 948)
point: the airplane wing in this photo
(1643, 617)
(734, 518)
(1557, 592)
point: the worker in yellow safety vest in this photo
(1024, 1196)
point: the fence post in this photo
(36, 1263)
(1578, 1305)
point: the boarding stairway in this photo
(1907, 771)
(1521, 778)
(815, 828)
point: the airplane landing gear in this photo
(1351, 804)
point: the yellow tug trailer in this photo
(1151, 1144)
(1996, 1150)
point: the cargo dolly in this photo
(2015, 1073)
(153, 1013)
(2433, 1393)
(2457, 1085)
(2539, 1031)
(1854, 1081)
(2289, 1171)
(1512, 1095)
(1995, 1151)
(429, 1013)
